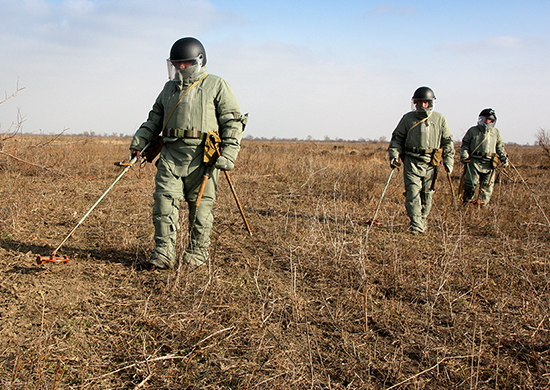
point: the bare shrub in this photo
(543, 140)
(15, 126)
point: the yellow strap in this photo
(180, 99)
(478, 145)
(422, 121)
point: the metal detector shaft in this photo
(202, 187)
(126, 169)
(452, 188)
(238, 202)
(383, 193)
(241, 210)
(385, 188)
(461, 182)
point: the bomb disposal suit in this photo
(482, 148)
(191, 104)
(422, 140)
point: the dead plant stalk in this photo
(428, 370)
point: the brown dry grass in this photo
(314, 300)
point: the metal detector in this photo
(53, 257)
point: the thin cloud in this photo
(498, 43)
(75, 22)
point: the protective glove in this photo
(224, 164)
(394, 163)
(464, 156)
(448, 168)
(505, 164)
(135, 153)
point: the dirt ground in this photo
(315, 299)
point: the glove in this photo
(135, 153)
(394, 163)
(505, 163)
(464, 156)
(224, 164)
(448, 168)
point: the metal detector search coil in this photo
(51, 259)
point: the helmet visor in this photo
(486, 121)
(174, 66)
(422, 104)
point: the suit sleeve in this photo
(230, 121)
(502, 155)
(397, 142)
(151, 127)
(466, 146)
(447, 144)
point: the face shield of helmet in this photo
(422, 105)
(486, 122)
(183, 69)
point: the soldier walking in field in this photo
(482, 149)
(191, 104)
(422, 140)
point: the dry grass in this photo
(314, 300)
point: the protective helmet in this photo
(488, 113)
(423, 93)
(188, 49)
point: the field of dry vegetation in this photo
(315, 299)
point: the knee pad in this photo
(165, 213)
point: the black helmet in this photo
(488, 113)
(188, 49)
(423, 93)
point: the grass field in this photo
(315, 299)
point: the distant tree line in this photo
(326, 138)
(542, 138)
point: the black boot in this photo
(468, 195)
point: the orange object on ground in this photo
(53, 258)
(372, 222)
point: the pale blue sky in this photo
(343, 69)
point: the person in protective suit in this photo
(191, 104)
(422, 140)
(482, 149)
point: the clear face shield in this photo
(422, 105)
(486, 122)
(182, 70)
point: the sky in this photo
(301, 69)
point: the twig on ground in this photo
(270, 379)
(311, 175)
(33, 164)
(143, 382)
(428, 370)
(160, 358)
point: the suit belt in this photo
(181, 133)
(420, 151)
(484, 154)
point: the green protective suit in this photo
(480, 145)
(418, 135)
(208, 105)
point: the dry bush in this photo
(315, 299)
(543, 140)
